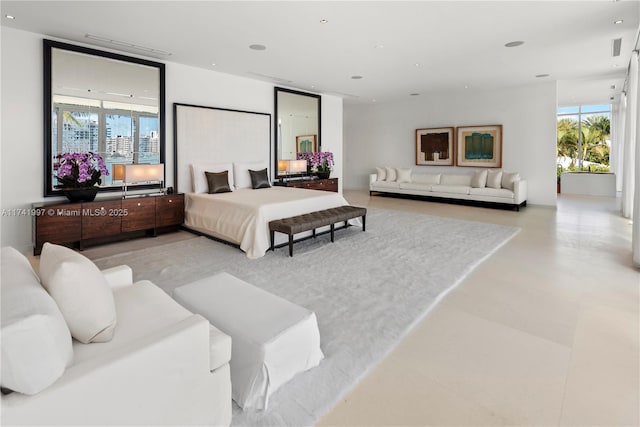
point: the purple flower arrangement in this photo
(79, 170)
(321, 161)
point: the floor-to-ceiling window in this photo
(584, 138)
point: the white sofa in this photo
(163, 366)
(482, 187)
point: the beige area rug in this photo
(368, 290)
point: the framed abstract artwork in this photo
(434, 146)
(306, 144)
(479, 146)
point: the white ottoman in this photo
(272, 339)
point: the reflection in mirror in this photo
(105, 103)
(297, 124)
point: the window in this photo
(584, 138)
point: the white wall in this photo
(21, 135)
(332, 134)
(383, 134)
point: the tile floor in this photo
(546, 332)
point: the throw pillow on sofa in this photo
(81, 291)
(403, 175)
(36, 342)
(381, 174)
(509, 179)
(494, 179)
(479, 179)
(391, 174)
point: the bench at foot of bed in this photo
(314, 220)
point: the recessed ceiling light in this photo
(9, 16)
(356, 77)
(541, 75)
(324, 21)
(379, 46)
(417, 64)
(618, 21)
(466, 86)
(257, 47)
(514, 43)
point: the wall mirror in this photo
(102, 102)
(297, 127)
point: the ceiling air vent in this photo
(615, 47)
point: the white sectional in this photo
(486, 187)
(163, 364)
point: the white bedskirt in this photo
(242, 216)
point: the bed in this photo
(215, 140)
(242, 216)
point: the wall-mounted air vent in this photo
(615, 47)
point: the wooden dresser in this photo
(105, 220)
(330, 184)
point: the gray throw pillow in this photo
(218, 182)
(259, 179)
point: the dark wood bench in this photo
(313, 220)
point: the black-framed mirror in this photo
(297, 125)
(101, 102)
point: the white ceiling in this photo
(454, 43)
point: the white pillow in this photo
(241, 176)
(391, 174)
(36, 342)
(81, 292)
(381, 174)
(494, 179)
(403, 175)
(509, 179)
(479, 179)
(199, 179)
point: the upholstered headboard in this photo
(217, 135)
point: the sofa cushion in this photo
(426, 178)
(386, 184)
(479, 179)
(494, 179)
(391, 174)
(415, 186)
(81, 292)
(36, 342)
(509, 179)
(381, 174)
(403, 175)
(199, 179)
(493, 192)
(144, 309)
(450, 179)
(453, 189)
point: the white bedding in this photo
(242, 217)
